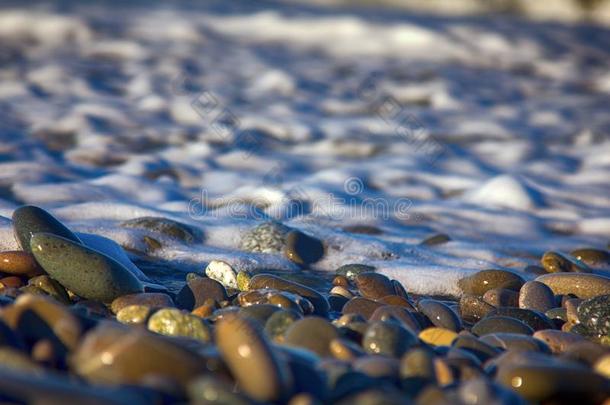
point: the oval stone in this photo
(174, 322)
(320, 303)
(555, 262)
(19, 263)
(557, 340)
(440, 314)
(29, 220)
(581, 285)
(500, 324)
(485, 280)
(312, 333)
(84, 271)
(374, 285)
(537, 296)
(153, 300)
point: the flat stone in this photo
(405, 317)
(438, 336)
(84, 271)
(501, 297)
(320, 303)
(581, 285)
(500, 324)
(29, 220)
(268, 237)
(557, 340)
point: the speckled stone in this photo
(352, 270)
(166, 227)
(154, 300)
(198, 290)
(303, 249)
(320, 303)
(537, 296)
(19, 263)
(594, 313)
(473, 308)
(133, 314)
(388, 339)
(500, 324)
(581, 285)
(84, 271)
(440, 314)
(243, 280)
(114, 354)
(592, 257)
(533, 319)
(174, 322)
(268, 237)
(222, 272)
(555, 262)
(501, 297)
(482, 281)
(374, 285)
(29, 220)
(312, 333)
(260, 373)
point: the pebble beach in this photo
(264, 202)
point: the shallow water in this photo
(491, 130)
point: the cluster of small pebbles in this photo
(76, 325)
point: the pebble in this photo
(198, 290)
(259, 314)
(11, 282)
(259, 372)
(166, 227)
(438, 239)
(350, 271)
(312, 333)
(374, 285)
(278, 323)
(303, 249)
(582, 285)
(115, 354)
(557, 340)
(440, 314)
(154, 300)
(174, 322)
(473, 308)
(594, 314)
(361, 306)
(515, 342)
(133, 314)
(438, 336)
(500, 324)
(482, 281)
(602, 366)
(320, 303)
(268, 237)
(50, 287)
(388, 339)
(592, 257)
(480, 349)
(501, 297)
(407, 318)
(379, 367)
(341, 291)
(533, 319)
(222, 272)
(29, 220)
(418, 364)
(84, 271)
(346, 350)
(555, 262)
(341, 281)
(209, 390)
(537, 296)
(243, 280)
(19, 263)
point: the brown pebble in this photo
(11, 282)
(557, 340)
(482, 281)
(473, 309)
(19, 263)
(374, 285)
(312, 333)
(392, 312)
(341, 281)
(501, 297)
(153, 300)
(396, 300)
(361, 306)
(537, 296)
(582, 285)
(320, 303)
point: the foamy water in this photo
(493, 131)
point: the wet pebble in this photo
(515, 342)
(166, 227)
(174, 322)
(500, 324)
(361, 306)
(440, 314)
(557, 340)
(320, 303)
(222, 272)
(29, 220)
(374, 285)
(388, 339)
(133, 314)
(303, 249)
(533, 319)
(473, 308)
(485, 280)
(594, 314)
(438, 336)
(555, 262)
(501, 297)
(592, 257)
(198, 290)
(582, 285)
(268, 237)
(153, 300)
(537, 296)
(312, 333)
(19, 263)
(352, 270)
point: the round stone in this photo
(537, 296)
(555, 262)
(222, 272)
(594, 313)
(29, 220)
(346, 350)
(500, 324)
(352, 270)
(19, 263)
(440, 314)
(312, 333)
(166, 227)
(485, 280)
(581, 285)
(480, 349)
(303, 249)
(84, 271)
(174, 322)
(374, 285)
(198, 290)
(388, 339)
(153, 300)
(256, 368)
(438, 336)
(133, 314)
(268, 237)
